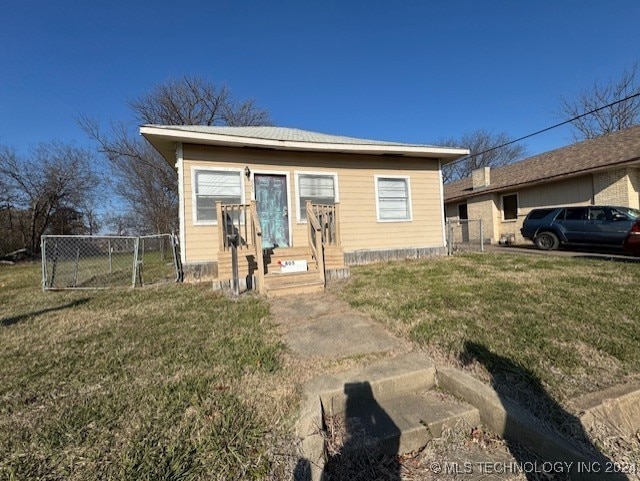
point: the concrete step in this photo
(406, 423)
(391, 404)
(384, 379)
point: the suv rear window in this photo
(539, 213)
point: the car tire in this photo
(546, 241)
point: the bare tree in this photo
(49, 187)
(142, 178)
(486, 151)
(618, 116)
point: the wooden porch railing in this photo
(241, 220)
(327, 216)
(315, 240)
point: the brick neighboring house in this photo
(600, 171)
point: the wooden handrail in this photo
(256, 240)
(242, 220)
(315, 240)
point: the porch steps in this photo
(296, 283)
(391, 405)
(279, 284)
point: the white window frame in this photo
(517, 206)
(409, 206)
(194, 200)
(298, 173)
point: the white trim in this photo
(405, 177)
(442, 206)
(288, 189)
(517, 206)
(168, 134)
(298, 173)
(194, 206)
(182, 233)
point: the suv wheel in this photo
(547, 241)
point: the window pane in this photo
(316, 186)
(319, 189)
(393, 199)
(213, 186)
(218, 183)
(575, 213)
(510, 207)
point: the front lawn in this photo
(169, 383)
(568, 325)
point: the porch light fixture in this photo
(247, 172)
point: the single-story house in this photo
(293, 196)
(600, 171)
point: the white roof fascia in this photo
(237, 141)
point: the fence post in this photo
(135, 261)
(110, 259)
(43, 258)
(75, 271)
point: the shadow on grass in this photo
(511, 380)
(9, 321)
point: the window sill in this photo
(387, 221)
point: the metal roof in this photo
(283, 134)
(165, 137)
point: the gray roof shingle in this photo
(594, 154)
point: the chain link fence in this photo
(100, 262)
(464, 236)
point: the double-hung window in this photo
(393, 198)
(318, 188)
(211, 186)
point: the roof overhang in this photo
(543, 180)
(165, 140)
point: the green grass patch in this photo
(570, 323)
(142, 384)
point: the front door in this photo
(273, 212)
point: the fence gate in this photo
(464, 236)
(99, 262)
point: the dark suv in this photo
(592, 225)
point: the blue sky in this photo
(414, 71)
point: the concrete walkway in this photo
(321, 325)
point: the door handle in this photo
(285, 212)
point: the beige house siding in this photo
(488, 207)
(634, 197)
(617, 187)
(359, 226)
(613, 187)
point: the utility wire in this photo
(470, 156)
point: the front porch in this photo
(244, 258)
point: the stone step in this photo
(385, 379)
(406, 423)
(391, 403)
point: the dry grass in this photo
(541, 330)
(171, 382)
(569, 323)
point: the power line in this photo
(470, 156)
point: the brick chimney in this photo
(480, 178)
